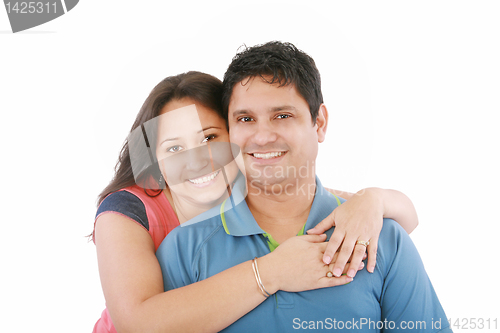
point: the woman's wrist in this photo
(375, 198)
(397, 206)
(268, 274)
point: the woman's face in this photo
(193, 152)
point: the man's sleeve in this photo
(174, 261)
(408, 300)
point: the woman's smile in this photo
(204, 180)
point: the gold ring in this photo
(364, 243)
(329, 274)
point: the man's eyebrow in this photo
(242, 111)
(283, 108)
(272, 109)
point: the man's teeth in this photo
(268, 155)
(205, 179)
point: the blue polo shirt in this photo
(397, 296)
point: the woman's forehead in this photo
(180, 114)
(180, 122)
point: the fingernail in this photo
(361, 266)
(351, 273)
(327, 260)
(337, 272)
(349, 280)
(370, 269)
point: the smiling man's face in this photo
(274, 129)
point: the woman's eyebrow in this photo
(168, 139)
(207, 128)
(200, 131)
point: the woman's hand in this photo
(358, 219)
(296, 265)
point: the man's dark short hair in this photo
(275, 62)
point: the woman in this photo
(137, 210)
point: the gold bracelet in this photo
(257, 278)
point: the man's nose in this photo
(264, 134)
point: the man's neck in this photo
(282, 213)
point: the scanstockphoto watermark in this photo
(474, 323)
(272, 180)
(366, 323)
(25, 15)
(279, 171)
(291, 188)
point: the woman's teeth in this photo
(268, 155)
(204, 179)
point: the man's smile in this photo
(269, 155)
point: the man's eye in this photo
(174, 149)
(245, 119)
(283, 116)
(209, 137)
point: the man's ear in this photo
(322, 122)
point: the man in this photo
(276, 115)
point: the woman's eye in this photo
(174, 149)
(209, 137)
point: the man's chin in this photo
(266, 182)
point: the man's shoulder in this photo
(395, 245)
(196, 231)
(393, 230)
(186, 242)
(391, 236)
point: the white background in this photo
(413, 95)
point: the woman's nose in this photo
(197, 158)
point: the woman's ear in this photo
(322, 122)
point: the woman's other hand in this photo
(360, 218)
